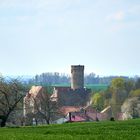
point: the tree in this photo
(137, 84)
(129, 85)
(11, 93)
(107, 97)
(43, 106)
(135, 93)
(119, 94)
(97, 101)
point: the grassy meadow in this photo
(104, 130)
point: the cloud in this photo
(118, 16)
(128, 18)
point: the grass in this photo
(118, 130)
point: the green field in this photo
(118, 130)
(97, 87)
(93, 87)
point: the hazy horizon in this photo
(69, 74)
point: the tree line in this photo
(118, 91)
(61, 78)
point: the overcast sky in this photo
(51, 35)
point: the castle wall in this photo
(78, 97)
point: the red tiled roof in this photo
(77, 119)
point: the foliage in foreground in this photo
(118, 130)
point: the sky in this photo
(51, 35)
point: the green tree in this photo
(107, 97)
(134, 93)
(119, 94)
(137, 84)
(129, 85)
(97, 101)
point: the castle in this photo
(75, 96)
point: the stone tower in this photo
(77, 76)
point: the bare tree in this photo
(11, 93)
(42, 107)
(45, 107)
